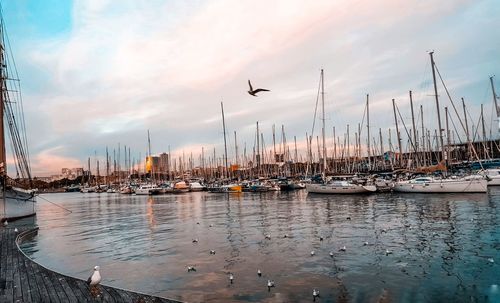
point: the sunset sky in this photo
(96, 73)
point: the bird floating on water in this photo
(212, 252)
(5, 223)
(315, 294)
(366, 243)
(259, 273)
(331, 254)
(15, 230)
(94, 279)
(191, 268)
(320, 238)
(312, 253)
(342, 248)
(384, 230)
(211, 225)
(388, 252)
(348, 218)
(195, 240)
(254, 92)
(268, 236)
(231, 277)
(491, 260)
(270, 283)
(285, 236)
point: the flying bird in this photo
(94, 279)
(254, 92)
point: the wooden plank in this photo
(23, 280)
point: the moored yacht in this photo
(427, 184)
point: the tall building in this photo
(152, 164)
(164, 164)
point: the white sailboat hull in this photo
(443, 186)
(339, 188)
(142, 191)
(17, 203)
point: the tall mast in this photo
(323, 119)
(495, 98)
(236, 148)
(397, 134)
(466, 130)
(381, 146)
(225, 143)
(415, 141)
(3, 91)
(257, 157)
(437, 106)
(368, 130)
(423, 136)
(448, 139)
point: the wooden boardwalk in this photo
(23, 280)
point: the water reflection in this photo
(440, 245)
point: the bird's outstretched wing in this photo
(261, 90)
(250, 84)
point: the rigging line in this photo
(404, 125)
(39, 196)
(449, 97)
(455, 128)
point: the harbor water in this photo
(419, 248)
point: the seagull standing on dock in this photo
(94, 279)
(254, 92)
(5, 223)
(231, 278)
(259, 273)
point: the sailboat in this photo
(430, 184)
(15, 202)
(333, 186)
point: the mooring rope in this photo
(55, 204)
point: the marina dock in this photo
(23, 280)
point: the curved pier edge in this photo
(26, 280)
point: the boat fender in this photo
(412, 186)
(441, 184)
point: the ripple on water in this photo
(440, 244)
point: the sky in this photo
(97, 73)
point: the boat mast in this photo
(415, 140)
(368, 130)
(448, 139)
(3, 89)
(495, 97)
(225, 143)
(323, 119)
(437, 107)
(466, 130)
(397, 135)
